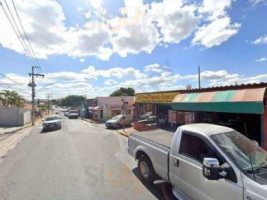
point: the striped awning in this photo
(233, 101)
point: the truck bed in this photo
(158, 136)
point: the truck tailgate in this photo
(158, 136)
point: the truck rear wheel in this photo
(146, 170)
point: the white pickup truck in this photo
(202, 162)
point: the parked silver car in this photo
(119, 121)
(52, 122)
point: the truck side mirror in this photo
(255, 142)
(211, 169)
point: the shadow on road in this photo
(153, 189)
(49, 131)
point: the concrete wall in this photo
(27, 117)
(14, 116)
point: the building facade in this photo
(107, 107)
(241, 107)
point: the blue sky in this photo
(94, 47)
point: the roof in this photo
(233, 101)
(206, 129)
(239, 95)
(218, 88)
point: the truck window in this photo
(196, 148)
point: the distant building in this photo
(108, 107)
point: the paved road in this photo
(79, 162)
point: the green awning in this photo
(231, 101)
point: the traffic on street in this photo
(80, 161)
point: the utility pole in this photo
(33, 85)
(199, 84)
(48, 98)
(123, 113)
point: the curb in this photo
(15, 131)
(122, 134)
(91, 121)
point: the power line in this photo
(17, 32)
(21, 36)
(22, 39)
(44, 87)
(26, 36)
(11, 88)
(13, 80)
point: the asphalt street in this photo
(79, 162)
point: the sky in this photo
(93, 47)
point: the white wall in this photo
(27, 117)
(14, 116)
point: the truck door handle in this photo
(176, 162)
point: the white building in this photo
(108, 107)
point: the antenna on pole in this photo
(199, 84)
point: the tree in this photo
(55, 102)
(73, 101)
(11, 98)
(123, 92)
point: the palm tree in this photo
(11, 98)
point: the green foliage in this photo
(42, 108)
(55, 102)
(11, 98)
(73, 101)
(123, 92)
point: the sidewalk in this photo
(11, 136)
(8, 130)
(93, 121)
(127, 131)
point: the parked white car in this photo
(202, 162)
(73, 114)
(52, 122)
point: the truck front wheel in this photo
(146, 170)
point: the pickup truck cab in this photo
(202, 162)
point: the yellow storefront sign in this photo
(165, 97)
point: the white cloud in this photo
(110, 82)
(261, 40)
(257, 1)
(95, 3)
(143, 26)
(138, 27)
(82, 60)
(88, 81)
(175, 20)
(133, 31)
(44, 22)
(215, 33)
(263, 59)
(217, 27)
(154, 68)
(215, 8)
(114, 72)
(92, 40)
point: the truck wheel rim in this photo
(144, 169)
